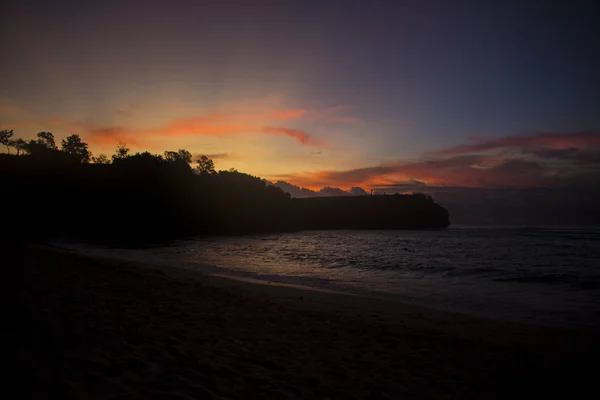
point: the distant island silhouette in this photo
(144, 198)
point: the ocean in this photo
(541, 275)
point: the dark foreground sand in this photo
(92, 329)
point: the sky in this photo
(386, 95)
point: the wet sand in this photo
(96, 329)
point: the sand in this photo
(95, 329)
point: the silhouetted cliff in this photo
(146, 198)
(416, 211)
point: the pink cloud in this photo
(543, 160)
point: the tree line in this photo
(79, 151)
(142, 198)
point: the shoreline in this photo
(314, 298)
(277, 341)
(383, 299)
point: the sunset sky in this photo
(318, 93)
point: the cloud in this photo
(301, 192)
(575, 156)
(203, 126)
(218, 156)
(233, 119)
(330, 115)
(543, 140)
(188, 127)
(212, 124)
(542, 160)
(222, 123)
(221, 156)
(358, 191)
(115, 135)
(300, 136)
(461, 171)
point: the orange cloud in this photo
(301, 137)
(214, 124)
(217, 123)
(111, 136)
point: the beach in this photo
(82, 327)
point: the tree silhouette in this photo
(101, 159)
(121, 152)
(77, 148)
(47, 139)
(205, 165)
(36, 149)
(144, 163)
(5, 138)
(180, 155)
(185, 155)
(20, 145)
